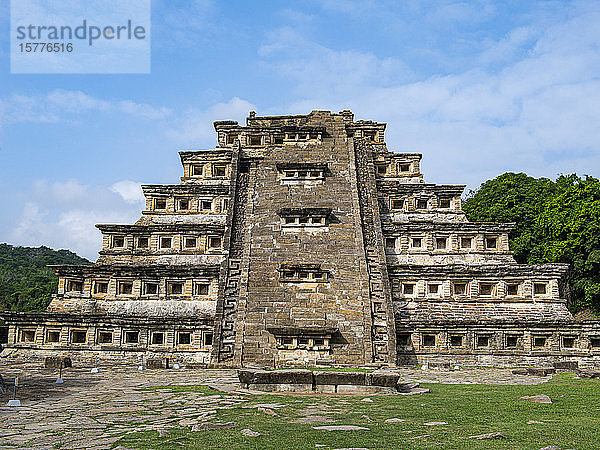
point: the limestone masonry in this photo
(302, 241)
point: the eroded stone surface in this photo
(101, 408)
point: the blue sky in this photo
(479, 88)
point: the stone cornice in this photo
(83, 319)
(160, 228)
(483, 270)
(197, 155)
(445, 227)
(124, 270)
(391, 185)
(185, 189)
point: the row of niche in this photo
(466, 288)
(163, 242)
(126, 336)
(447, 241)
(188, 204)
(148, 288)
(512, 340)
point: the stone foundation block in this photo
(340, 378)
(157, 363)
(541, 371)
(326, 388)
(443, 365)
(354, 389)
(246, 375)
(387, 379)
(588, 373)
(300, 380)
(281, 387)
(570, 366)
(54, 362)
(292, 376)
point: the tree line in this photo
(26, 284)
(555, 222)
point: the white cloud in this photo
(190, 127)
(32, 220)
(196, 126)
(460, 11)
(60, 191)
(60, 105)
(185, 22)
(64, 214)
(130, 191)
(537, 111)
(511, 46)
(326, 72)
(75, 101)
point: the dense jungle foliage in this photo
(556, 221)
(26, 284)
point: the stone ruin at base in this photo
(302, 241)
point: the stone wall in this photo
(520, 343)
(112, 335)
(338, 299)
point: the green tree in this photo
(512, 197)
(568, 230)
(554, 222)
(26, 283)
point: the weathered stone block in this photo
(541, 371)
(292, 376)
(281, 387)
(355, 389)
(157, 363)
(588, 373)
(54, 362)
(406, 387)
(570, 366)
(443, 365)
(387, 379)
(246, 375)
(340, 378)
(325, 388)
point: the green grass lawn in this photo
(571, 421)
